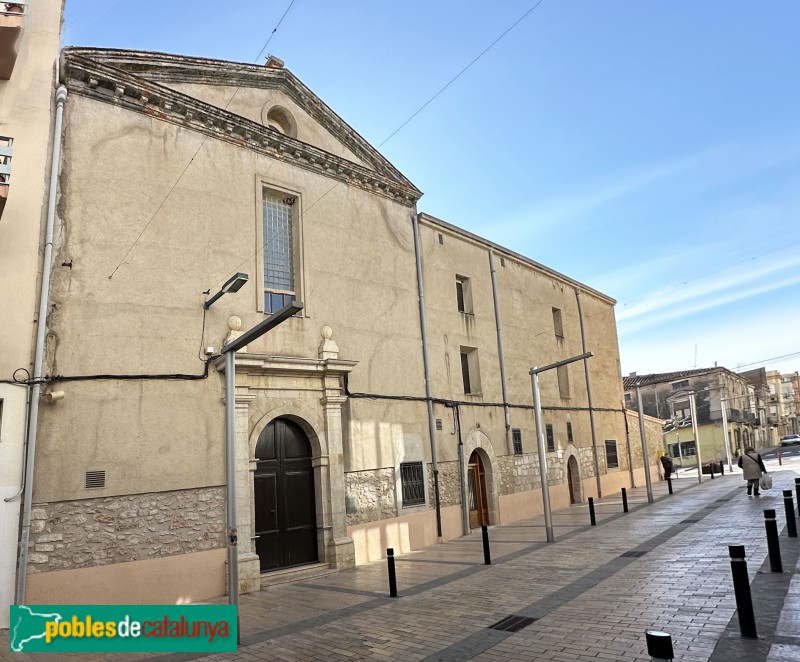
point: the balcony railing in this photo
(11, 16)
(5, 169)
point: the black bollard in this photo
(592, 518)
(711, 466)
(741, 589)
(659, 645)
(669, 484)
(487, 557)
(624, 500)
(797, 489)
(791, 522)
(774, 547)
(392, 575)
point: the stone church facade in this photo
(354, 432)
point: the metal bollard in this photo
(659, 645)
(780, 458)
(392, 575)
(669, 484)
(741, 589)
(773, 545)
(487, 558)
(711, 466)
(592, 517)
(797, 489)
(791, 522)
(624, 500)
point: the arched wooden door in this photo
(573, 480)
(478, 501)
(286, 526)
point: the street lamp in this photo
(537, 414)
(233, 284)
(229, 352)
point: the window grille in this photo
(611, 454)
(551, 442)
(412, 481)
(516, 436)
(279, 285)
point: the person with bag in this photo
(752, 467)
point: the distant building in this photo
(668, 396)
(784, 402)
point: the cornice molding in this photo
(86, 77)
(169, 68)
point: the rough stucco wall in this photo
(91, 532)
(372, 495)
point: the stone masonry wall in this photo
(518, 473)
(370, 495)
(449, 485)
(90, 532)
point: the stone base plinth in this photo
(342, 553)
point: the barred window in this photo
(611, 454)
(516, 436)
(279, 249)
(412, 481)
(551, 442)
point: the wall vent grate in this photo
(512, 623)
(95, 479)
(438, 423)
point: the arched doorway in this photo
(477, 495)
(574, 480)
(283, 487)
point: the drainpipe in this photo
(44, 298)
(426, 368)
(500, 355)
(628, 443)
(463, 472)
(589, 395)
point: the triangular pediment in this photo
(249, 96)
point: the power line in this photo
(410, 118)
(197, 151)
(774, 358)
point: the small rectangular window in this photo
(441, 239)
(611, 454)
(628, 397)
(463, 295)
(684, 383)
(563, 381)
(569, 432)
(558, 325)
(516, 436)
(551, 442)
(470, 373)
(413, 485)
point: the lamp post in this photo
(229, 352)
(537, 414)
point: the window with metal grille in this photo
(569, 431)
(412, 481)
(551, 442)
(279, 252)
(516, 436)
(611, 454)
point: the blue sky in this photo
(650, 150)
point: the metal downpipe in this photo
(589, 395)
(426, 368)
(500, 355)
(44, 299)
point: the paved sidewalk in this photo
(589, 596)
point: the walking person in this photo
(752, 467)
(666, 462)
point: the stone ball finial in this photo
(326, 332)
(234, 323)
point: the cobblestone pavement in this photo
(589, 596)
